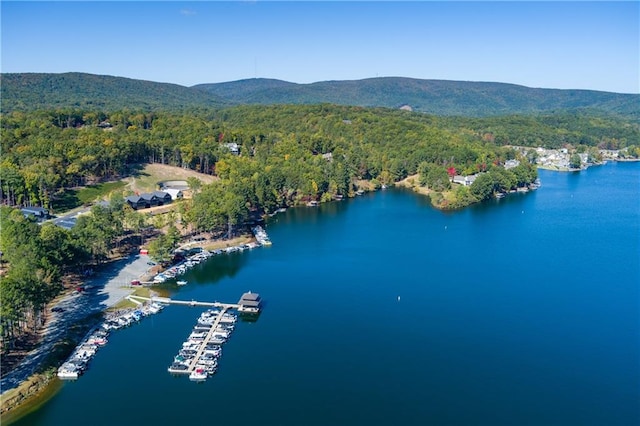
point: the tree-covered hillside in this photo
(28, 92)
(31, 91)
(305, 151)
(439, 97)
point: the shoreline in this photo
(26, 384)
(113, 287)
(30, 389)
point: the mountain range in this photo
(29, 91)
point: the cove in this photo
(382, 310)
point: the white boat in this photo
(67, 374)
(69, 370)
(198, 374)
(181, 282)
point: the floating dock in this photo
(194, 364)
(199, 355)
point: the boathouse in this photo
(249, 303)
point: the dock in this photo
(168, 301)
(206, 341)
(199, 355)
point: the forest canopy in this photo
(306, 150)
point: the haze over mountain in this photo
(29, 91)
(441, 97)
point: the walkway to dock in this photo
(166, 300)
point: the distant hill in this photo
(441, 97)
(29, 91)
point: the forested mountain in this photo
(31, 91)
(439, 97)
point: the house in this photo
(464, 180)
(175, 194)
(38, 213)
(163, 197)
(136, 202)
(510, 164)
(233, 147)
(150, 199)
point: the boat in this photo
(69, 370)
(197, 375)
(181, 282)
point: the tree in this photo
(194, 184)
(483, 187)
(575, 162)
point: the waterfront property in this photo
(510, 347)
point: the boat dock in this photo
(199, 355)
(205, 342)
(248, 303)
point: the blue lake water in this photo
(383, 311)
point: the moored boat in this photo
(199, 374)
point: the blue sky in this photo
(566, 45)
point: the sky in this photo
(547, 44)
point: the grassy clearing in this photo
(92, 193)
(152, 175)
(145, 179)
(73, 198)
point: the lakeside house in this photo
(510, 164)
(464, 180)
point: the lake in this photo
(381, 310)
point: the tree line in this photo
(46, 152)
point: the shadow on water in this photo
(310, 214)
(218, 268)
(247, 317)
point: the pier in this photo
(206, 341)
(199, 355)
(169, 301)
